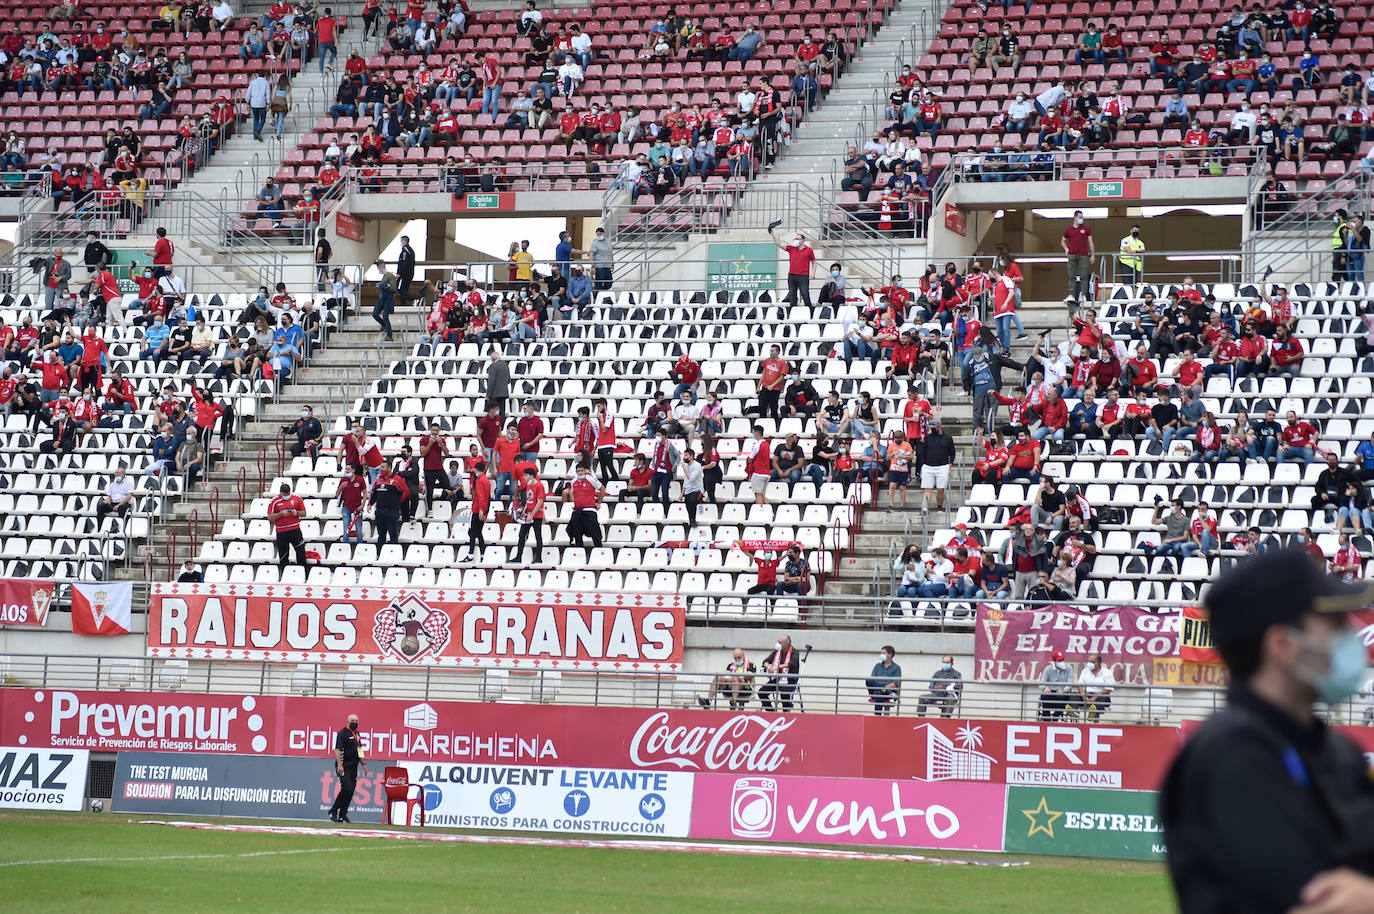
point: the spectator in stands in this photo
(1164, 422)
(794, 574)
(1029, 554)
(118, 497)
(1090, 46)
(1006, 53)
(1077, 243)
(1023, 459)
(1330, 491)
(980, 50)
(1176, 529)
(56, 273)
(1048, 509)
(937, 456)
(783, 666)
(1298, 440)
(1095, 684)
(946, 685)
(736, 683)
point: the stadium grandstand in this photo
(855, 322)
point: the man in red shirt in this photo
(759, 464)
(479, 484)
(506, 451)
(585, 493)
(1298, 440)
(531, 429)
(285, 513)
(774, 372)
(687, 373)
(1023, 459)
(529, 509)
(1139, 373)
(801, 266)
(325, 38)
(93, 347)
(917, 412)
(162, 254)
(1287, 352)
(1254, 354)
(352, 492)
(433, 450)
(1077, 242)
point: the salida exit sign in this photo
(500, 202)
(1124, 189)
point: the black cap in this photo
(1276, 588)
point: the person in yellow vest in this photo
(1132, 258)
(1339, 236)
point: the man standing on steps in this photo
(285, 513)
(1132, 258)
(801, 264)
(258, 94)
(433, 449)
(405, 269)
(386, 298)
(498, 381)
(937, 456)
(1077, 242)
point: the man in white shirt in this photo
(692, 482)
(224, 14)
(745, 100)
(1244, 119)
(118, 497)
(581, 44)
(172, 284)
(685, 415)
(1049, 99)
(1095, 687)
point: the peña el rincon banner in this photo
(456, 628)
(1014, 645)
(1084, 823)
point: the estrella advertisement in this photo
(1084, 823)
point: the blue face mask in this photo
(946, 666)
(835, 273)
(1346, 664)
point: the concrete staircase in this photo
(353, 357)
(847, 112)
(882, 528)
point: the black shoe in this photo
(332, 817)
(705, 705)
(345, 820)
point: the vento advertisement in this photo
(580, 800)
(849, 811)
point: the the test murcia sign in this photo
(472, 628)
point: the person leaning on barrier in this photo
(783, 665)
(736, 683)
(1266, 808)
(885, 682)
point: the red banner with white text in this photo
(438, 731)
(25, 602)
(1014, 645)
(1041, 754)
(455, 628)
(814, 745)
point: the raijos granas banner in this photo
(1014, 645)
(459, 628)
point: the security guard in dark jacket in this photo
(1266, 809)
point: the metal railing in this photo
(812, 694)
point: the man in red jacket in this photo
(479, 484)
(585, 492)
(285, 512)
(1054, 417)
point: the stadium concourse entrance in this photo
(1189, 226)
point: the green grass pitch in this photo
(112, 863)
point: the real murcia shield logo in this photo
(994, 629)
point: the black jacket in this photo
(1255, 805)
(938, 449)
(1332, 484)
(793, 664)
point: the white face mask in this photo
(1059, 664)
(777, 645)
(882, 658)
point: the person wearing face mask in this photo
(885, 682)
(1056, 686)
(1266, 808)
(1131, 261)
(308, 432)
(783, 666)
(801, 267)
(946, 684)
(832, 293)
(1077, 242)
(348, 755)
